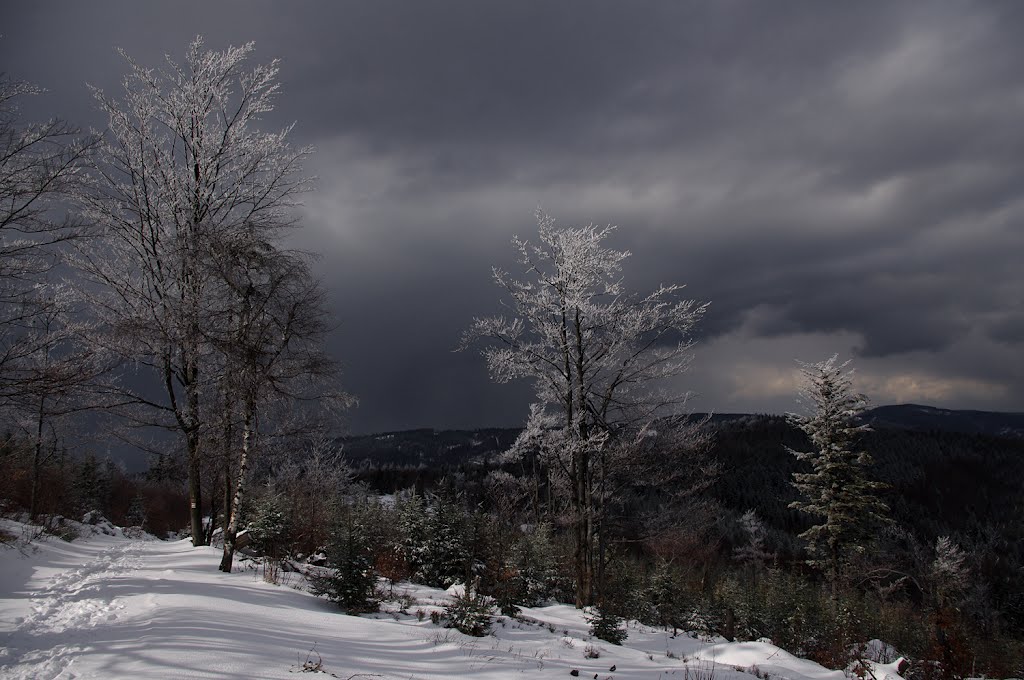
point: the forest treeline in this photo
(941, 480)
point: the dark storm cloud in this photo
(834, 177)
(1008, 329)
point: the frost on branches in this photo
(837, 492)
(40, 164)
(183, 176)
(596, 355)
(44, 368)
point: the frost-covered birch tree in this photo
(599, 357)
(183, 167)
(838, 492)
(273, 320)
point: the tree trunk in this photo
(535, 464)
(588, 528)
(195, 491)
(586, 481)
(228, 490)
(195, 469)
(231, 531)
(730, 624)
(37, 461)
(584, 527)
(579, 561)
(190, 352)
(214, 503)
(601, 534)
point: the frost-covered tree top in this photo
(591, 347)
(184, 176)
(183, 154)
(831, 405)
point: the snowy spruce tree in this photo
(469, 612)
(664, 594)
(949, 575)
(606, 625)
(352, 581)
(752, 552)
(272, 320)
(838, 492)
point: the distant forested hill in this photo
(929, 418)
(949, 472)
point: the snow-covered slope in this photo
(113, 607)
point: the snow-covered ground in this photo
(108, 606)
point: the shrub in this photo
(607, 626)
(352, 580)
(664, 597)
(508, 591)
(535, 563)
(268, 528)
(434, 540)
(469, 613)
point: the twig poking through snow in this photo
(317, 666)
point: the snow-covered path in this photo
(109, 607)
(66, 610)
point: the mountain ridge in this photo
(921, 417)
(429, 446)
(907, 416)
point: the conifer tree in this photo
(950, 575)
(665, 596)
(753, 551)
(837, 492)
(353, 582)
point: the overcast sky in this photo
(833, 177)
